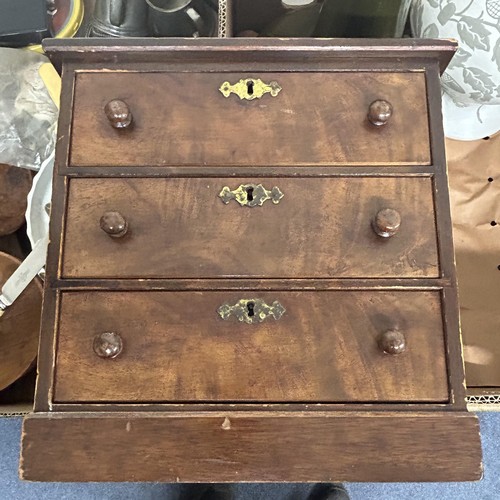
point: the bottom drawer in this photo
(327, 346)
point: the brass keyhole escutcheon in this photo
(251, 195)
(251, 311)
(250, 89)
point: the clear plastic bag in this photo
(28, 116)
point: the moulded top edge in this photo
(261, 49)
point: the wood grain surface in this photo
(321, 228)
(324, 348)
(236, 447)
(183, 119)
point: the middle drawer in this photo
(372, 227)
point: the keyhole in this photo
(250, 307)
(250, 194)
(250, 88)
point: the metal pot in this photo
(119, 18)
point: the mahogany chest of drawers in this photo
(250, 274)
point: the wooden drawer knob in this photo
(387, 222)
(114, 224)
(108, 345)
(392, 342)
(379, 112)
(118, 114)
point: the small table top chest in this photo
(250, 275)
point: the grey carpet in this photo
(11, 488)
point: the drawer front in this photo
(310, 346)
(196, 228)
(184, 119)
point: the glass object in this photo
(363, 18)
(182, 18)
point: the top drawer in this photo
(184, 119)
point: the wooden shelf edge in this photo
(254, 49)
(251, 446)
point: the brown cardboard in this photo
(17, 399)
(474, 176)
(15, 410)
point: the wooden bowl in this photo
(15, 184)
(19, 326)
